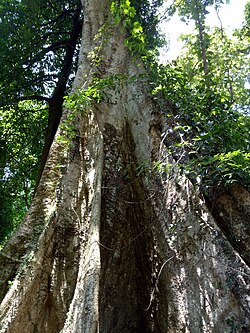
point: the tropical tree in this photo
(119, 237)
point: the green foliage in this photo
(140, 20)
(22, 129)
(77, 103)
(124, 13)
(195, 9)
(209, 117)
(229, 168)
(246, 27)
(33, 36)
(97, 92)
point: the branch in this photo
(218, 16)
(55, 46)
(54, 33)
(35, 97)
(58, 18)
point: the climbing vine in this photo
(140, 20)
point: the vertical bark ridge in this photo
(126, 251)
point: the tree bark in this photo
(110, 244)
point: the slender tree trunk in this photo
(200, 24)
(57, 99)
(111, 244)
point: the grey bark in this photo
(110, 244)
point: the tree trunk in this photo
(111, 244)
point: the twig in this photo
(157, 281)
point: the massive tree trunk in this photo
(111, 244)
